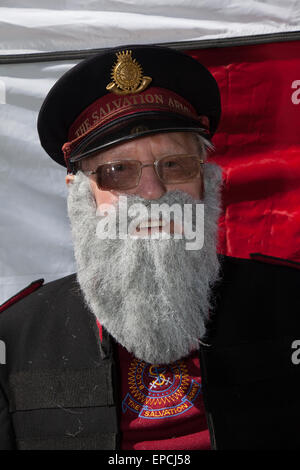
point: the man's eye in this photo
(170, 164)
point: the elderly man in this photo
(157, 342)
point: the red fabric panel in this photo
(258, 146)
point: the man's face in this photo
(152, 296)
(147, 150)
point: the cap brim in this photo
(133, 127)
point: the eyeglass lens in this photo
(126, 174)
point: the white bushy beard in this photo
(152, 296)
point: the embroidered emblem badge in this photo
(160, 391)
(127, 75)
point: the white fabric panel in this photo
(54, 25)
(34, 229)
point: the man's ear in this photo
(69, 179)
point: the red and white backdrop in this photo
(258, 146)
(253, 50)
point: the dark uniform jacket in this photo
(59, 388)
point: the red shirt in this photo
(162, 405)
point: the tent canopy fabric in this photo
(34, 26)
(34, 230)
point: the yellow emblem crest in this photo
(127, 75)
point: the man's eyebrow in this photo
(100, 158)
(115, 152)
(131, 153)
(182, 150)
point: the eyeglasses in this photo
(126, 174)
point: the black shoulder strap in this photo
(21, 294)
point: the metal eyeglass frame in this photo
(144, 165)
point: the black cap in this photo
(125, 93)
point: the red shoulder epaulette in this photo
(100, 330)
(23, 293)
(274, 260)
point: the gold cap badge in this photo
(127, 75)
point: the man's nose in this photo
(150, 186)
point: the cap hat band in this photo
(110, 108)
